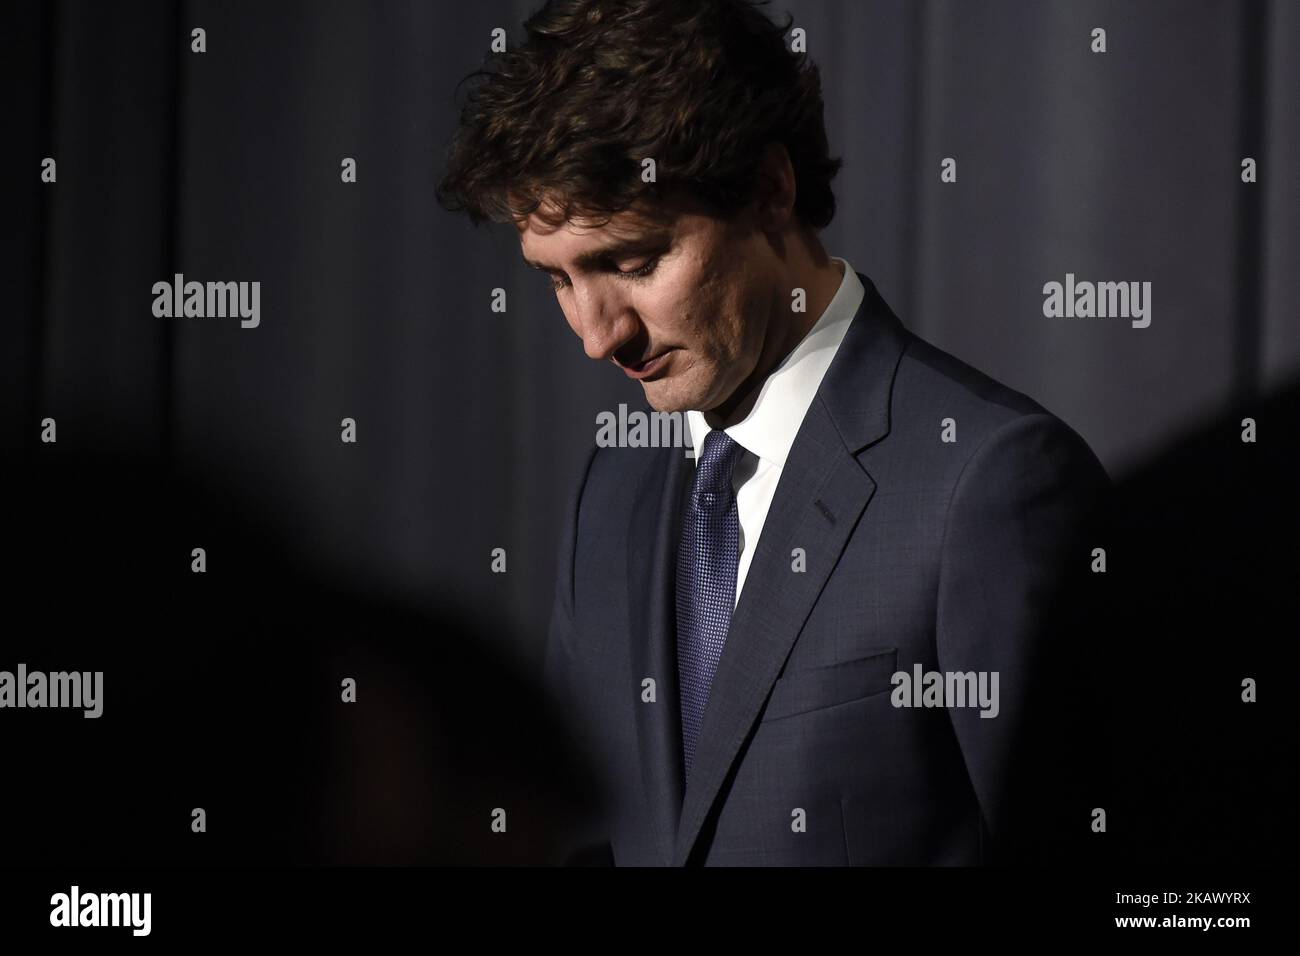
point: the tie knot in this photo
(713, 471)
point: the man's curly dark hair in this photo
(700, 86)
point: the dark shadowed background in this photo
(373, 559)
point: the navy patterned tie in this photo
(706, 579)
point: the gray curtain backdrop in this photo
(471, 424)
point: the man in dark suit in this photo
(919, 552)
(836, 628)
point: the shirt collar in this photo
(770, 427)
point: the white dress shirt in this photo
(768, 430)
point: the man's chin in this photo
(663, 397)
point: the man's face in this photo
(682, 306)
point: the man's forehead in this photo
(550, 217)
(591, 237)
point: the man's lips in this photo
(646, 368)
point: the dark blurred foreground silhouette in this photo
(222, 690)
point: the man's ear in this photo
(774, 188)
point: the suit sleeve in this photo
(581, 838)
(558, 667)
(1014, 596)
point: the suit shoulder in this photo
(932, 377)
(932, 385)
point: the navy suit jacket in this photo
(960, 556)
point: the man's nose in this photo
(605, 326)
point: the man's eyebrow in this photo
(594, 257)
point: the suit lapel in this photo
(819, 499)
(653, 532)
